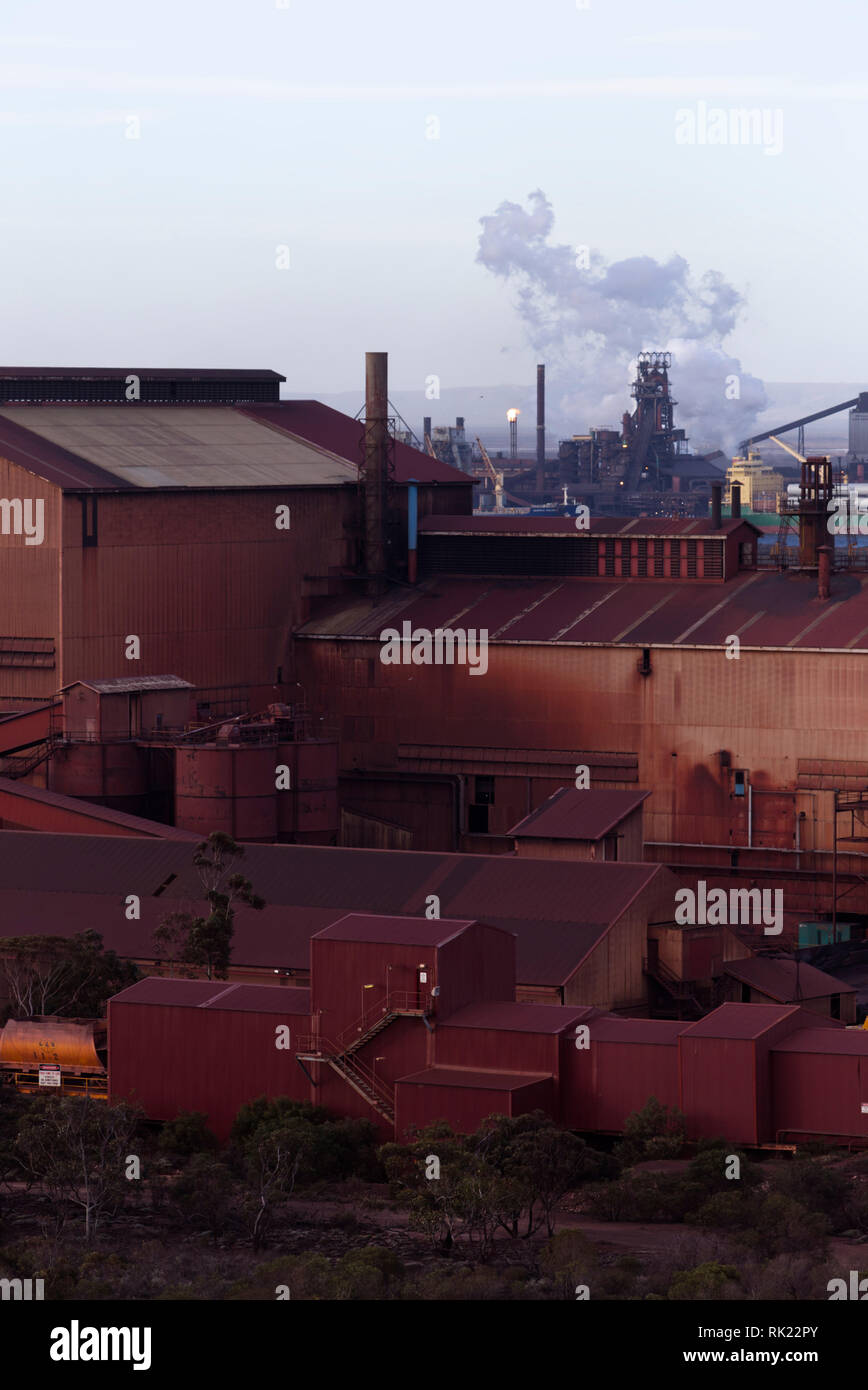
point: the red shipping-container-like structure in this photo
(409, 1021)
(465, 1098)
(181, 1045)
(726, 1070)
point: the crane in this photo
(429, 446)
(801, 422)
(789, 448)
(496, 479)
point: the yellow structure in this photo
(761, 485)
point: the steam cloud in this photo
(588, 319)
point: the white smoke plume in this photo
(588, 318)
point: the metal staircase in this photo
(680, 991)
(341, 1054)
(20, 767)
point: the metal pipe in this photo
(376, 466)
(716, 522)
(412, 528)
(540, 427)
(835, 866)
(824, 571)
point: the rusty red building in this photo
(199, 514)
(409, 1021)
(660, 654)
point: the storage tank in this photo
(230, 789)
(63, 1055)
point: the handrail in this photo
(364, 1073)
(348, 1063)
(396, 1001)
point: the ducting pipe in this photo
(824, 571)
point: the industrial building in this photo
(195, 643)
(202, 516)
(581, 928)
(409, 1021)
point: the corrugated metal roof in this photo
(570, 814)
(195, 446)
(849, 1041)
(558, 909)
(398, 931)
(520, 1018)
(144, 373)
(136, 825)
(333, 430)
(119, 685)
(290, 444)
(260, 999)
(774, 610)
(476, 1080)
(155, 990)
(645, 1031)
(275, 938)
(493, 524)
(788, 981)
(216, 994)
(740, 1021)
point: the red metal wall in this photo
(170, 1059)
(341, 969)
(464, 1107)
(205, 579)
(819, 1093)
(477, 965)
(604, 1083)
(719, 1088)
(785, 715)
(497, 1049)
(29, 584)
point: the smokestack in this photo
(412, 529)
(735, 504)
(426, 427)
(376, 467)
(715, 506)
(824, 574)
(541, 427)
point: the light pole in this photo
(512, 417)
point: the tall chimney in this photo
(824, 572)
(376, 467)
(715, 506)
(735, 504)
(541, 427)
(426, 427)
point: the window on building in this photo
(477, 820)
(739, 782)
(484, 791)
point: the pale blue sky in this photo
(306, 126)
